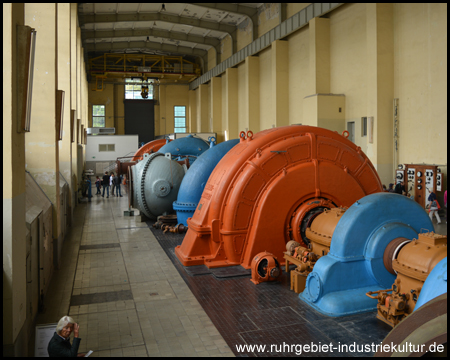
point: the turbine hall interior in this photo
(227, 179)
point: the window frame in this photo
(99, 116)
(175, 117)
(109, 147)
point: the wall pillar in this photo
(64, 48)
(252, 93)
(230, 121)
(280, 82)
(319, 50)
(202, 109)
(41, 144)
(380, 87)
(320, 107)
(14, 236)
(319, 69)
(216, 108)
(84, 105)
(192, 111)
(73, 99)
(162, 110)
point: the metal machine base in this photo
(128, 212)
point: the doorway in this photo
(140, 119)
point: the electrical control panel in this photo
(439, 181)
(399, 176)
(429, 179)
(410, 183)
(421, 180)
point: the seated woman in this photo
(59, 345)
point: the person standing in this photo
(98, 184)
(434, 206)
(400, 188)
(117, 181)
(111, 183)
(105, 184)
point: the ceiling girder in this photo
(250, 12)
(182, 20)
(229, 7)
(231, 30)
(172, 35)
(143, 45)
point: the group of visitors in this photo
(433, 205)
(398, 189)
(108, 181)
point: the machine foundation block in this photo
(298, 281)
(128, 213)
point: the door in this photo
(140, 119)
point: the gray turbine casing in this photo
(156, 181)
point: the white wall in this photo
(124, 145)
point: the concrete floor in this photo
(117, 282)
(129, 298)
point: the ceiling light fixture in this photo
(163, 7)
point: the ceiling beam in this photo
(143, 45)
(172, 35)
(111, 18)
(250, 12)
(229, 7)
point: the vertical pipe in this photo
(395, 162)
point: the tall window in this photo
(180, 119)
(98, 116)
(136, 87)
(364, 126)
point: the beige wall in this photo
(166, 96)
(242, 104)
(265, 89)
(58, 66)
(225, 48)
(64, 34)
(176, 95)
(212, 58)
(420, 81)
(294, 8)
(14, 247)
(105, 97)
(298, 54)
(370, 54)
(268, 17)
(119, 109)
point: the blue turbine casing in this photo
(189, 146)
(354, 265)
(193, 183)
(435, 284)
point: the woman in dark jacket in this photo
(59, 345)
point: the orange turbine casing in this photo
(266, 187)
(149, 148)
